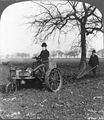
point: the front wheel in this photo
(54, 80)
(11, 88)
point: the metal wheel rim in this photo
(11, 88)
(53, 84)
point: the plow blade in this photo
(86, 71)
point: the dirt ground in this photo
(81, 99)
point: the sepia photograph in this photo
(52, 59)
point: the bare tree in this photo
(61, 17)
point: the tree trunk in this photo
(82, 65)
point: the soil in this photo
(81, 99)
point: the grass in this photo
(77, 100)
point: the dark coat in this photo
(44, 55)
(93, 61)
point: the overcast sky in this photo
(16, 37)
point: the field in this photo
(81, 99)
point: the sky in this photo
(15, 36)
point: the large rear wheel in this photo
(54, 80)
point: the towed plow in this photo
(84, 72)
(74, 76)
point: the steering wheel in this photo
(38, 59)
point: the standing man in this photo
(93, 62)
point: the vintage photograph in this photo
(52, 59)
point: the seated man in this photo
(44, 55)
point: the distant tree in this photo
(53, 53)
(59, 53)
(66, 53)
(7, 56)
(23, 55)
(74, 51)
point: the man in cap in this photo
(93, 62)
